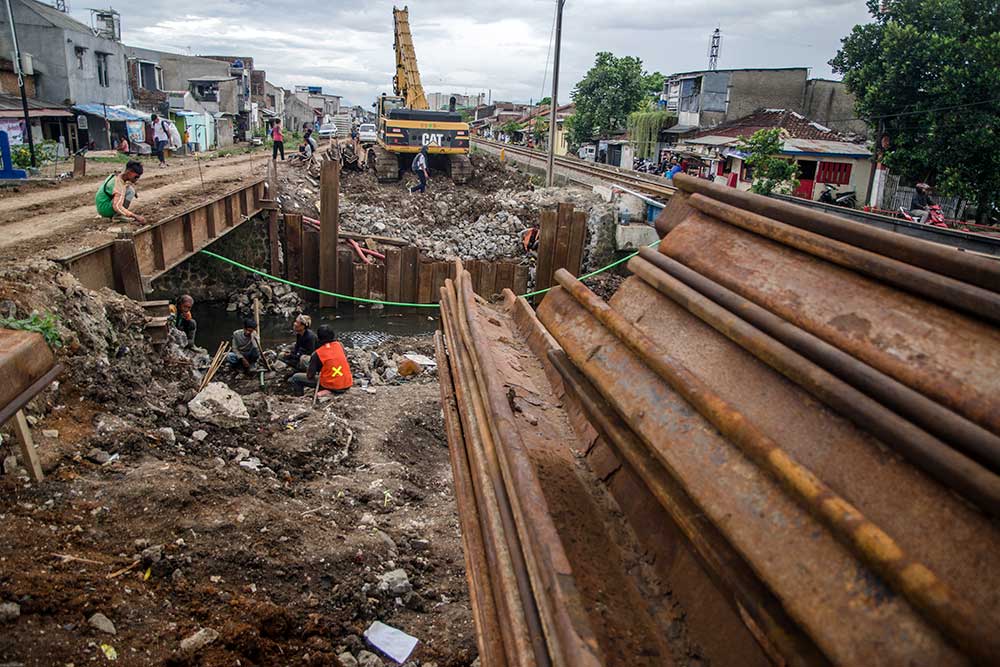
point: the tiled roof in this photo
(795, 124)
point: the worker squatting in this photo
(316, 359)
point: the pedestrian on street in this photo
(117, 193)
(419, 167)
(278, 140)
(161, 138)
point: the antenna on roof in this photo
(713, 52)
(61, 5)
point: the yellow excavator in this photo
(406, 124)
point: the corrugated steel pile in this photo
(777, 443)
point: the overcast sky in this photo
(473, 46)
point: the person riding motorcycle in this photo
(922, 202)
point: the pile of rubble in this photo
(275, 299)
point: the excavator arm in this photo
(407, 80)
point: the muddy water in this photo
(354, 326)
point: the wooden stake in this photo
(329, 231)
(260, 346)
(27, 446)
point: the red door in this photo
(805, 189)
(807, 179)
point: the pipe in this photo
(931, 596)
(933, 286)
(934, 457)
(965, 435)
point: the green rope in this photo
(398, 303)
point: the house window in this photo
(837, 173)
(102, 70)
(149, 76)
(79, 56)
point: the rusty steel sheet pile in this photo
(779, 440)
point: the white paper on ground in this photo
(394, 643)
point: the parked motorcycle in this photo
(846, 199)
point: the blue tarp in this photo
(114, 113)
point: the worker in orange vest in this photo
(328, 362)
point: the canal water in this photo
(355, 327)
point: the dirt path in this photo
(58, 221)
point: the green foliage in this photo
(47, 325)
(927, 72)
(45, 152)
(510, 127)
(644, 130)
(608, 93)
(466, 115)
(770, 171)
(545, 101)
(540, 131)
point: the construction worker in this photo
(117, 193)
(246, 346)
(180, 317)
(328, 362)
(420, 169)
(306, 343)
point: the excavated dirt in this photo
(281, 557)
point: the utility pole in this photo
(20, 81)
(554, 104)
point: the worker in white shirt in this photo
(161, 138)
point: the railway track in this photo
(649, 185)
(778, 443)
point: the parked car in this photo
(367, 133)
(328, 130)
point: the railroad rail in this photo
(777, 443)
(587, 172)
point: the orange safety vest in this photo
(336, 373)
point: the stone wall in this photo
(209, 279)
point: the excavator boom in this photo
(407, 80)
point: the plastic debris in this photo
(394, 643)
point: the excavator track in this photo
(385, 164)
(460, 168)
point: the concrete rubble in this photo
(219, 405)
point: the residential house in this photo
(442, 101)
(153, 74)
(49, 121)
(706, 98)
(824, 156)
(241, 70)
(272, 103)
(220, 97)
(487, 120)
(540, 114)
(326, 107)
(298, 114)
(71, 62)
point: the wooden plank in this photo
(274, 242)
(520, 280)
(345, 274)
(376, 280)
(361, 281)
(408, 275)
(29, 457)
(329, 221)
(199, 226)
(128, 277)
(577, 239)
(230, 210)
(548, 226)
(159, 261)
(440, 274)
(310, 262)
(425, 282)
(560, 258)
(393, 269)
(489, 280)
(211, 220)
(505, 276)
(188, 233)
(293, 237)
(477, 276)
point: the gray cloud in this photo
(480, 46)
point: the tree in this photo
(545, 101)
(644, 130)
(607, 94)
(770, 172)
(540, 131)
(510, 127)
(926, 74)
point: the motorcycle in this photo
(935, 217)
(846, 199)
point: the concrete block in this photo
(633, 237)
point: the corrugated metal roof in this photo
(844, 148)
(56, 17)
(13, 103)
(114, 113)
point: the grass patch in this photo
(47, 325)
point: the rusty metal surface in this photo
(949, 291)
(927, 452)
(947, 356)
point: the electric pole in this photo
(554, 104)
(713, 53)
(20, 81)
